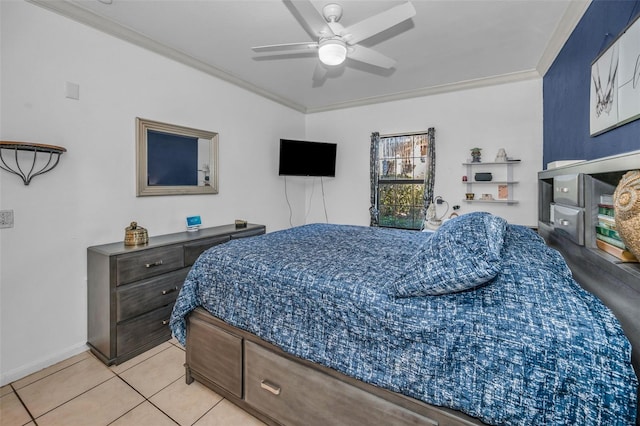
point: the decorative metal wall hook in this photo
(6, 147)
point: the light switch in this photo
(6, 218)
(72, 90)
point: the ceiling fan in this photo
(334, 42)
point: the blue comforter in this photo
(480, 317)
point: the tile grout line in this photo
(15, 389)
(139, 393)
(147, 399)
(208, 411)
(69, 400)
(23, 404)
(160, 390)
(48, 375)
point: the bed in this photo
(479, 322)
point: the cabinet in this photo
(131, 289)
(569, 197)
(504, 173)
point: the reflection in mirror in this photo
(174, 160)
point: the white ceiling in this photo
(448, 45)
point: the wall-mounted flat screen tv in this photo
(305, 158)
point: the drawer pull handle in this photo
(165, 322)
(565, 222)
(151, 265)
(171, 290)
(564, 189)
(274, 389)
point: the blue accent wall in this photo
(567, 84)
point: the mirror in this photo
(175, 160)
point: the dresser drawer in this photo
(195, 249)
(567, 189)
(143, 329)
(289, 392)
(219, 354)
(148, 263)
(569, 221)
(248, 233)
(147, 295)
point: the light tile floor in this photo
(147, 390)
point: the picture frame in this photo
(614, 98)
(503, 192)
(175, 160)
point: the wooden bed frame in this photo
(279, 388)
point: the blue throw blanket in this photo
(480, 316)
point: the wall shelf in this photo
(12, 149)
(506, 170)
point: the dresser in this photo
(131, 289)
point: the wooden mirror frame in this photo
(143, 188)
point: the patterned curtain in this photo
(373, 175)
(430, 176)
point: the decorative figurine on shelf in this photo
(501, 157)
(626, 204)
(475, 155)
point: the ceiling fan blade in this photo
(369, 56)
(378, 23)
(289, 47)
(311, 20)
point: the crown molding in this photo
(84, 16)
(567, 24)
(434, 90)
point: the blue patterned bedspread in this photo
(520, 342)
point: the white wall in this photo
(90, 197)
(504, 116)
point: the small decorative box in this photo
(135, 235)
(483, 177)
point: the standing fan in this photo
(334, 42)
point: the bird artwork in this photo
(605, 93)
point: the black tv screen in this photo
(304, 158)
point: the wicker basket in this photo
(135, 235)
(626, 203)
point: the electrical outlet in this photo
(6, 218)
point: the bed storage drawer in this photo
(142, 329)
(288, 391)
(148, 263)
(219, 355)
(247, 233)
(143, 296)
(569, 221)
(567, 189)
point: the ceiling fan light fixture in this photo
(332, 52)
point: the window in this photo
(402, 166)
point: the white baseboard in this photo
(7, 377)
